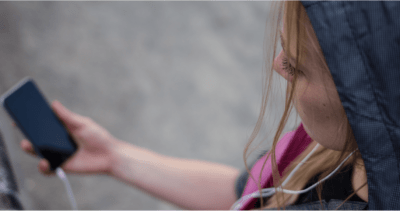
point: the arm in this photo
(187, 183)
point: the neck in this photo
(359, 177)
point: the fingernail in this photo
(61, 105)
(56, 102)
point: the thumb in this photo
(71, 120)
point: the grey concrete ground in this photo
(180, 78)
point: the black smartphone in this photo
(37, 121)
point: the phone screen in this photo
(33, 115)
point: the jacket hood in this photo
(361, 45)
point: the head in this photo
(312, 91)
(315, 97)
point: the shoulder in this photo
(241, 180)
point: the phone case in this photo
(40, 125)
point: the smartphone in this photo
(32, 114)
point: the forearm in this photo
(187, 183)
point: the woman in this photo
(325, 37)
(312, 90)
(343, 51)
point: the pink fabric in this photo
(288, 148)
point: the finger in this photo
(27, 147)
(44, 167)
(13, 124)
(71, 120)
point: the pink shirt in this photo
(287, 149)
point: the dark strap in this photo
(331, 205)
(9, 199)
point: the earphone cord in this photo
(64, 178)
(270, 191)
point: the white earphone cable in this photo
(271, 191)
(63, 177)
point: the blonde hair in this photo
(324, 160)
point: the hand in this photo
(94, 145)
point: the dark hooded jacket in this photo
(361, 44)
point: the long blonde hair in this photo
(324, 160)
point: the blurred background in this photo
(183, 79)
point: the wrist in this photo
(115, 156)
(124, 156)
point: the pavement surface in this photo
(182, 79)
